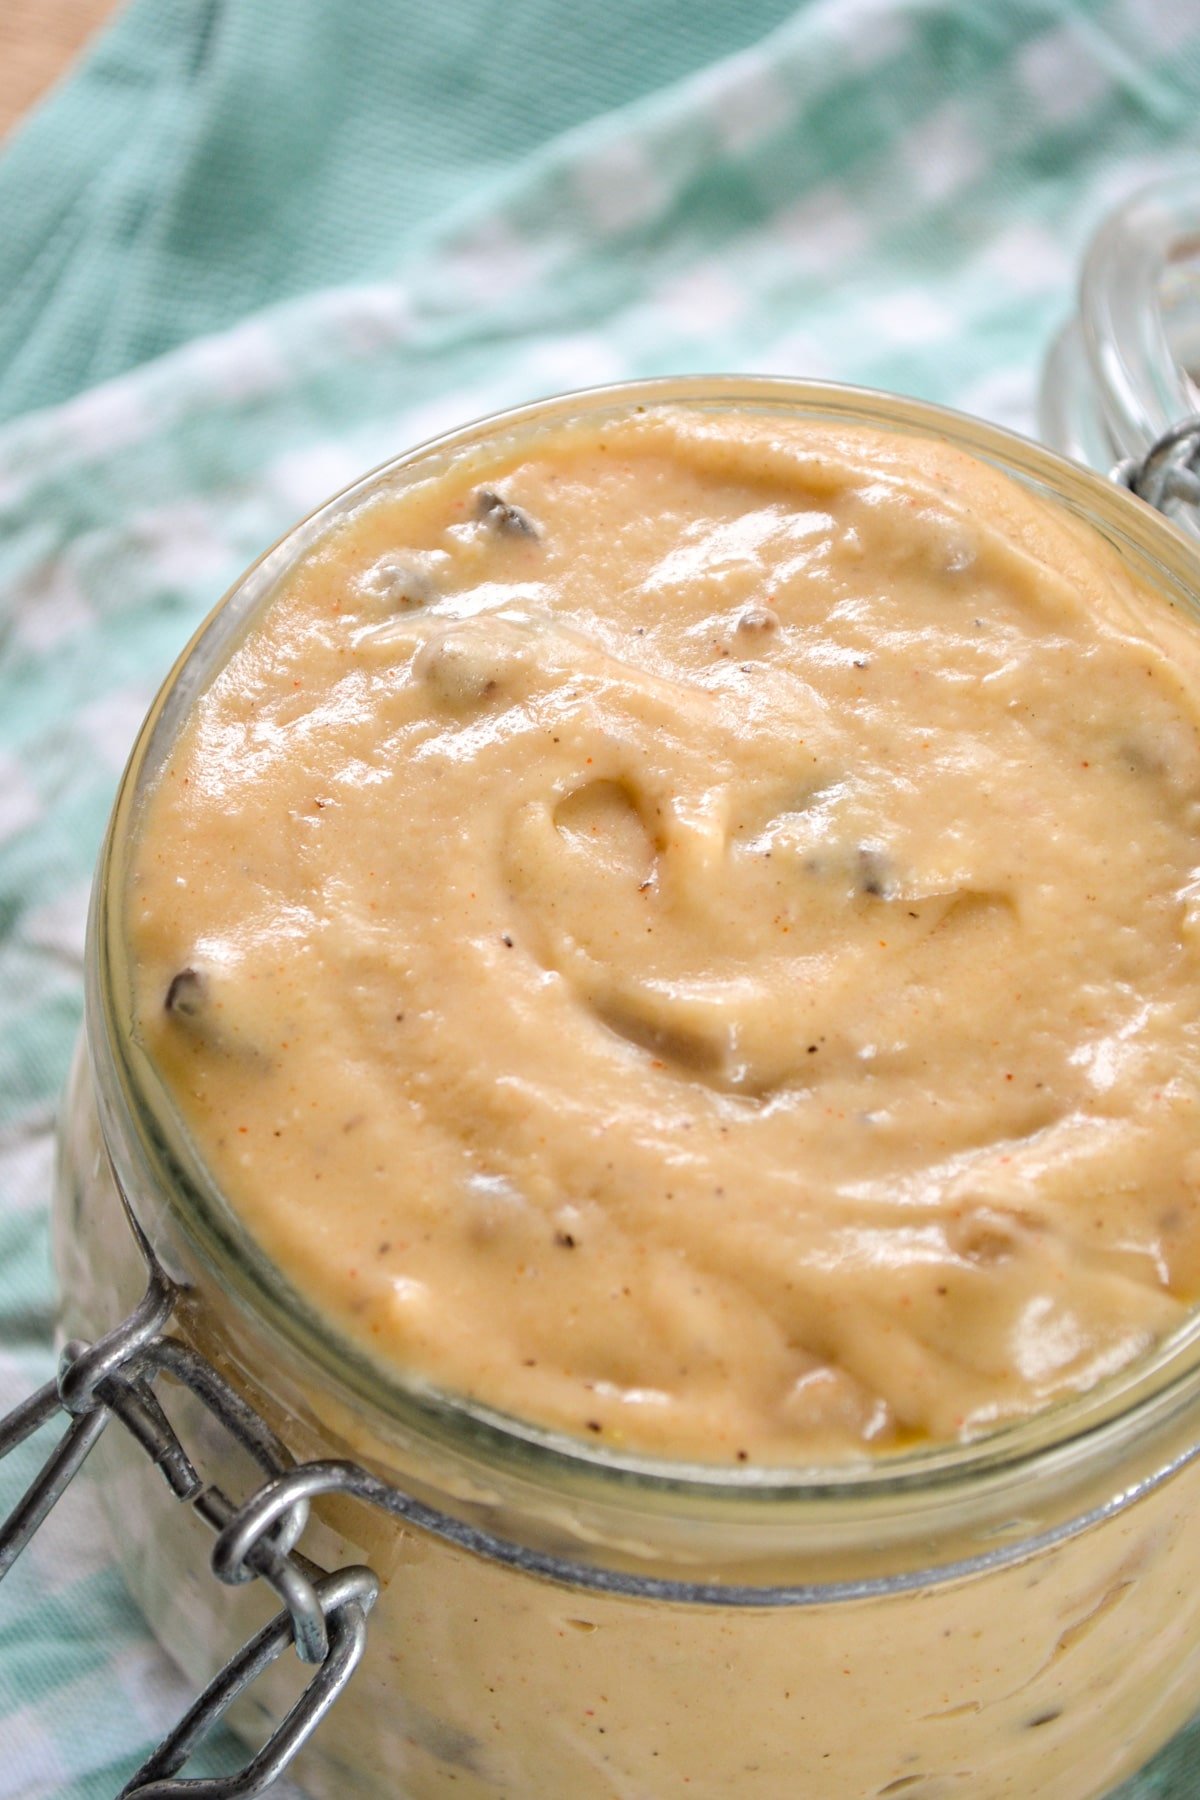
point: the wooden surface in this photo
(39, 39)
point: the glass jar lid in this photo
(1125, 370)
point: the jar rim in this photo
(138, 1108)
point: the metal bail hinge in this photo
(324, 1615)
(1169, 471)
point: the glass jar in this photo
(1122, 372)
(1014, 1616)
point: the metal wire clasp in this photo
(1169, 471)
(324, 1615)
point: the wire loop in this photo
(345, 1599)
(324, 1615)
(1169, 473)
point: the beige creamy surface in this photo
(1048, 1679)
(685, 932)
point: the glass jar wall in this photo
(1016, 1616)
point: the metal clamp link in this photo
(1169, 471)
(323, 1614)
